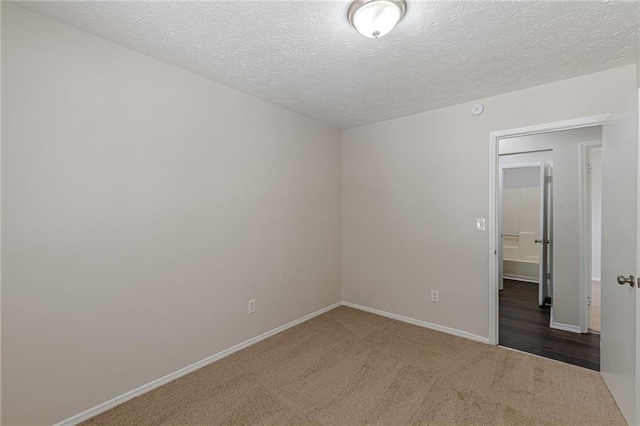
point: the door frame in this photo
(585, 236)
(638, 268)
(494, 139)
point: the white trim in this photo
(494, 238)
(420, 323)
(494, 137)
(521, 278)
(576, 123)
(564, 327)
(584, 223)
(594, 279)
(100, 408)
(637, 378)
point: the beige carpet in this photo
(349, 367)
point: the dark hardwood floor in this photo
(525, 326)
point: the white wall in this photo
(521, 201)
(521, 214)
(521, 225)
(595, 159)
(522, 177)
(412, 188)
(142, 207)
(564, 146)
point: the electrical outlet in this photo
(435, 296)
(252, 306)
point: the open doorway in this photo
(544, 299)
(619, 252)
(526, 221)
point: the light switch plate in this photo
(481, 224)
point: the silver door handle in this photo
(624, 280)
(541, 241)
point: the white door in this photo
(501, 227)
(620, 256)
(545, 239)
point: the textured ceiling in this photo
(305, 56)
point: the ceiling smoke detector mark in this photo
(477, 109)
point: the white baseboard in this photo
(100, 408)
(564, 327)
(521, 278)
(420, 323)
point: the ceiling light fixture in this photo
(375, 18)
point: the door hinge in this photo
(588, 168)
(588, 301)
(547, 179)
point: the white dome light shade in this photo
(375, 18)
